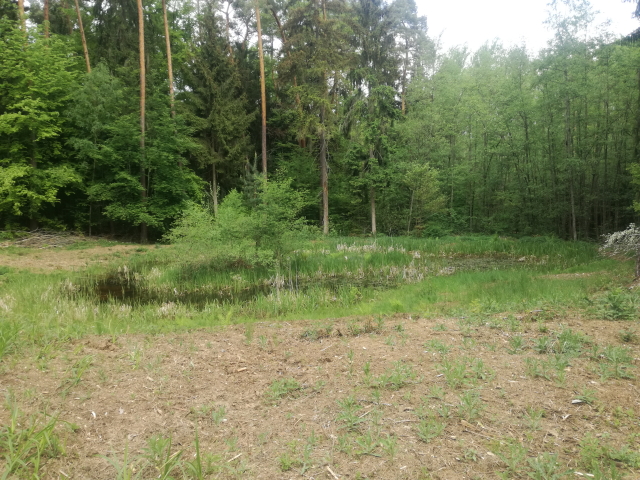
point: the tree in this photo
(82, 37)
(375, 79)
(38, 77)
(22, 16)
(263, 92)
(316, 66)
(412, 43)
(143, 98)
(169, 60)
(218, 107)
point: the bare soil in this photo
(140, 386)
(49, 259)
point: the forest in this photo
(115, 117)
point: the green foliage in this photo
(162, 459)
(429, 429)
(616, 304)
(37, 78)
(397, 377)
(349, 415)
(547, 467)
(282, 388)
(470, 405)
(242, 234)
(26, 443)
(455, 372)
(8, 336)
(619, 362)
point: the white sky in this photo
(474, 22)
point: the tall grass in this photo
(366, 258)
(326, 278)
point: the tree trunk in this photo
(574, 232)
(263, 93)
(372, 199)
(636, 147)
(84, 40)
(46, 18)
(143, 87)
(410, 212)
(404, 78)
(568, 148)
(324, 176)
(283, 37)
(23, 18)
(169, 61)
(33, 222)
(372, 195)
(214, 189)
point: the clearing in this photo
(542, 393)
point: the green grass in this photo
(327, 278)
(27, 442)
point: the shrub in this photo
(248, 232)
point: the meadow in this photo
(459, 357)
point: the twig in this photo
(332, 473)
(479, 434)
(232, 459)
(327, 347)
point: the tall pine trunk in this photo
(568, 145)
(46, 18)
(263, 93)
(169, 60)
(410, 212)
(324, 174)
(372, 198)
(23, 18)
(403, 94)
(636, 143)
(143, 92)
(84, 40)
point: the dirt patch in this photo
(51, 259)
(567, 276)
(329, 400)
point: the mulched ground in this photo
(141, 386)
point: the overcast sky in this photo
(473, 22)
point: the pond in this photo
(135, 288)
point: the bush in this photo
(245, 235)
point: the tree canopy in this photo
(373, 127)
